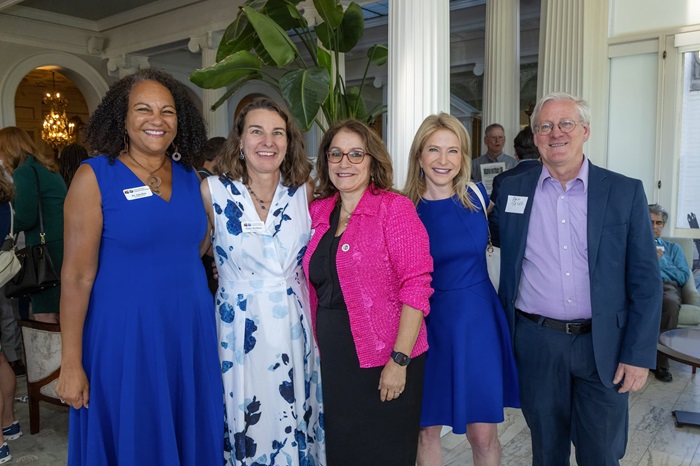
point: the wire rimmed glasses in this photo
(566, 126)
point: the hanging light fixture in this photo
(57, 131)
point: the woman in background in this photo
(368, 266)
(138, 325)
(470, 373)
(30, 169)
(70, 159)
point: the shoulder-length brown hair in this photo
(380, 170)
(16, 146)
(415, 180)
(295, 168)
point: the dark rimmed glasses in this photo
(354, 156)
(566, 126)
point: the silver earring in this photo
(241, 155)
(176, 156)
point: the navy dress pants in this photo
(564, 401)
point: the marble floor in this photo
(654, 440)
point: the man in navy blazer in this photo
(581, 287)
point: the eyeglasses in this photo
(496, 138)
(566, 126)
(354, 156)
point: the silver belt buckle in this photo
(568, 328)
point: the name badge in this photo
(140, 192)
(516, 204)
(253, 227)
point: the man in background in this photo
(495, 139)
(674, 273)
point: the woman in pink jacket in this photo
(368, 265)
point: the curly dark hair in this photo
(105, 132)
(295, 168)
(380, 169)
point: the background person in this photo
(268, 353)
(368, 265)
(495, 139)
(138, 325)
(21, 158)
(674, 273)
(580, 284)
(526, 153)
(470, 371)
(70, 159)
(210, 156)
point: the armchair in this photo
(690, 297)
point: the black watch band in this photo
(400, 358)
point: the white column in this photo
(502, 69)
(216, 120)
(419, 72)
(565, 64)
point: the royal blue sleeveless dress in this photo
(470, 373)
(149, 341)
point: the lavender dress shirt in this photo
(555, 278)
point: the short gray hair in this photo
(584, 111)
(658, 210)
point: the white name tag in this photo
(516, 204)
(253, 227)
(137, 193)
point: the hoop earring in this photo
(241, 155)
(176, 156)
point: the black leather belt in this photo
(571, 328)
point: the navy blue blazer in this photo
(626, 287)
(522, 166)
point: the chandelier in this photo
(57, 131)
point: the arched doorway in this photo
(86, 78)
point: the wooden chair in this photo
(42, 352)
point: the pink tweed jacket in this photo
(383, 262)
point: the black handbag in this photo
(37, 272)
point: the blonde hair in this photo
(16, 146)
(380, 171)
(415, 180)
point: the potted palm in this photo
(262, 43)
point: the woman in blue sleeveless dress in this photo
(137, 320)
(470, 373)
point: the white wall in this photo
(635, 16)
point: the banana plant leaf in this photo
(378, 54)
(351, 29)
(305, 91)
(238, 36)
(273, 38)
(227, 71)
(285, 13)
(330, 11)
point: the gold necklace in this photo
(262, 203)
(349, 214)
(153, 180)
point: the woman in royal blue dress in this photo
(137, 318)
(470, 371)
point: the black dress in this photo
(360, 429)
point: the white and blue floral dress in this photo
(269, 357)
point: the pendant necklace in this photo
(153, 180)
(349, 214)
(262, 203)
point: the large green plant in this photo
(259, 38)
